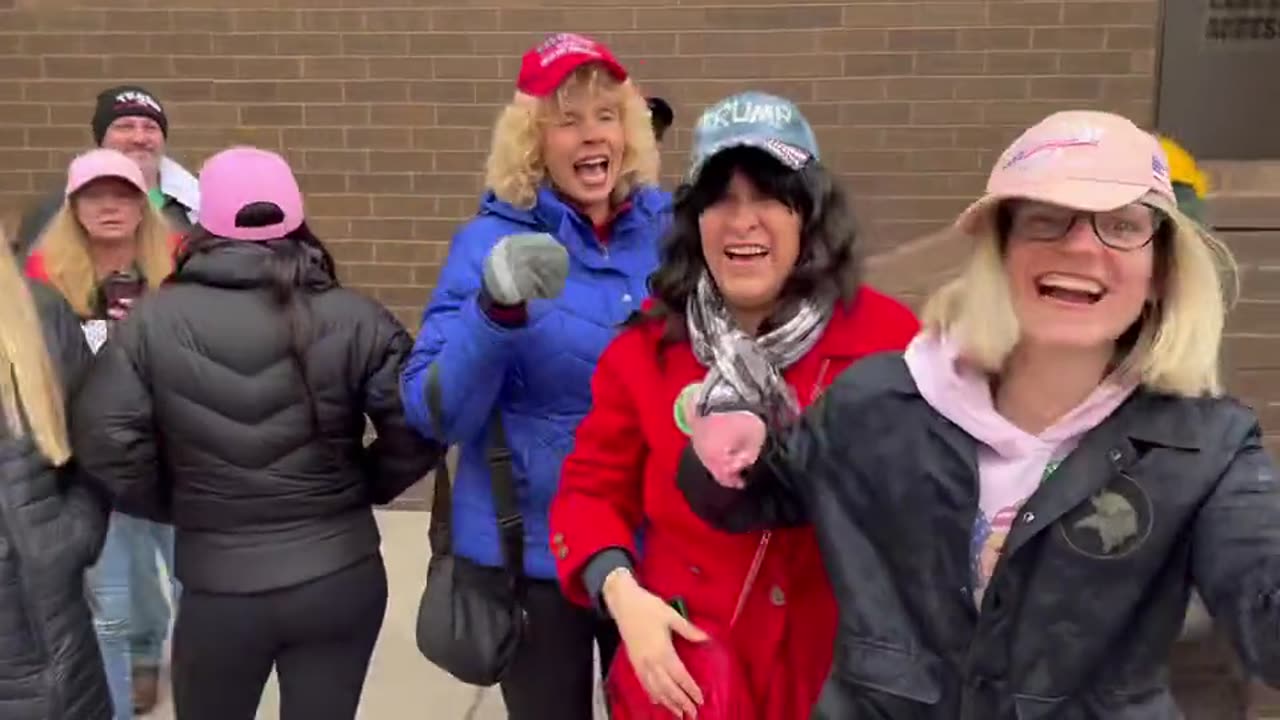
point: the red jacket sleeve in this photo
(177, 241)
(894, 323)
(34, 267)
(599, 504)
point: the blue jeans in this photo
(109, 590)
(151, 618)
(131, 613)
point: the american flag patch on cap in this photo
(792, 156)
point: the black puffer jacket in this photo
(1091, 590)
(195, 414)
(51, 530)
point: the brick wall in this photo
(385, 110)
(384, 107)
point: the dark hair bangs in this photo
(767, 175)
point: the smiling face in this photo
(109, 209)
(583, 141)
(750, 242)
(1070, 290)
(139, 138)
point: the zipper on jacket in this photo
(816, 392)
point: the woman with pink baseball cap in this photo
(232, 404)
(1015, 510)
(105, 225)
(106, 245)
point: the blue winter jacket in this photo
(539, 375)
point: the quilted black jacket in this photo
(51, 530)
(195, 414)
(1091, 590)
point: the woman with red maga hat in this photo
(534, 287)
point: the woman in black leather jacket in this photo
(232, 403)
(1014, 511)
(51, 524)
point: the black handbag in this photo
(471, 618)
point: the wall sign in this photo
(1219, 77)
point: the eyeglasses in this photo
(1128, 228)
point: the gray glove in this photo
(526, 266)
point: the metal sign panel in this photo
(1219, 91)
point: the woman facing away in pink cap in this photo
(232, 403)
(1015, 510)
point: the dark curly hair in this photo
(830, 258)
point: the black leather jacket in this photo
(1091, 591)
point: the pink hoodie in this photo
(1011, 462)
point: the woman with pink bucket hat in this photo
(1015, 510)
(232, 403)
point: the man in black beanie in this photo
(130, 119)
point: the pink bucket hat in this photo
(242, 176)
(1081, 159)
(102, 163)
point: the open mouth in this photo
(746, 252)
(592, 170)
(1071, 289)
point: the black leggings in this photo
(318, 635)
(552, 676)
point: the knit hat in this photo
(103, 163)
(241, 176)
(126, 101)
(545, 66)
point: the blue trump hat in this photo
(758, 120)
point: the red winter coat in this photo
(620, 477)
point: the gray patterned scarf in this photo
(744, 370)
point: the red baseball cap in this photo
(545, 66)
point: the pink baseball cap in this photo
(1081, 159)
(547, 64)
(242, 176)
(103, 163)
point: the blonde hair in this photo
(30, 393)
(65, 247)
(516, 166)
(1178, 338)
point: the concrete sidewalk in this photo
(401, 683)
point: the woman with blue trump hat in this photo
(756, 120)
(757, 300)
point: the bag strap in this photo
(440, 532)
(750, 581)
(506, 501)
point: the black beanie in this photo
(126, 101)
